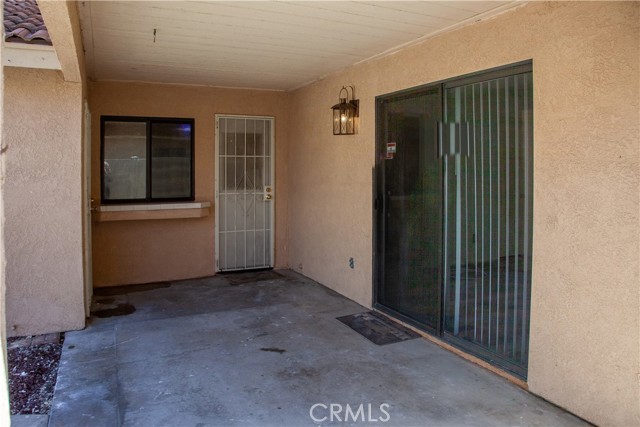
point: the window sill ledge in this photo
(151, 211)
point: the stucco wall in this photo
(4, 389)
(43, 199)
(585, 333)
(126, 252)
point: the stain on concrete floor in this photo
(273, 349)
(127, 289)
(241, 278)
(118, 310)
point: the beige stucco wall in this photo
(585, 333)
(43, 229)
(127, 252)
(4, 388)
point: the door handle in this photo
(453, 138)
(439, 140)
(268, 193)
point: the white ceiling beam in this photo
(63, 25)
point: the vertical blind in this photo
(486, 144)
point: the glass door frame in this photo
(378, 220)
(378, 199)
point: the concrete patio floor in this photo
(193, 354)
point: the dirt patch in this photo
(33, 370)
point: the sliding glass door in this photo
(487, 158)
(409, 199)
(454, 218)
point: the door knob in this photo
(268, 192)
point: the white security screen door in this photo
(244, 192)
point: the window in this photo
(146, 159)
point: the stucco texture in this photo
(4, 390)
(129, 252)
(585, 314)
(63, 26)
(43, 200)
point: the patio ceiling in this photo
(278, 45)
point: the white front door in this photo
(244, 192)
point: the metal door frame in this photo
(272, 153)
(379, 226)
(495, 359)
(494, 73)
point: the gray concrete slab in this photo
(29, 420)
(194, 354)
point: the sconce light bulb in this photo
(343, 118)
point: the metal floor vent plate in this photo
(252, 276)
(377, 328)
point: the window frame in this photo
(149, 161)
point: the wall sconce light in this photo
(345, 113)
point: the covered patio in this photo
(212, 352)
(467, 168)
